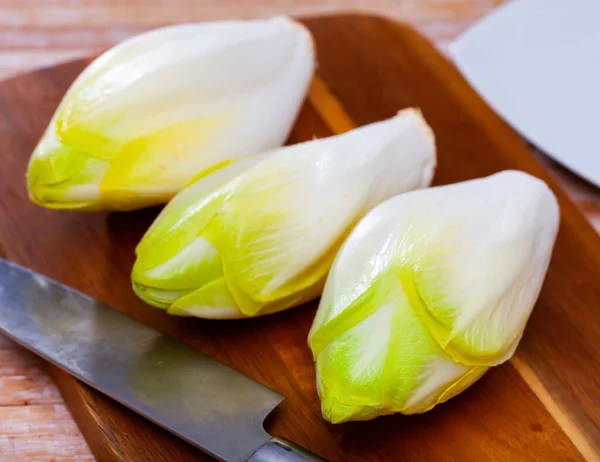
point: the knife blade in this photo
(537, 63)
(204, 402)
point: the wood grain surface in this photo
(36, 426)
(36, 33)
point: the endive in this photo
(152, 112)
(259, 236)
(431, 289)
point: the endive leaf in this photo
(281, 220)
(176, 254)
(141, 161)
(430, 289)
(286, 219)
(212, 300)
(385, 361)
(157, 109)
(500, 239)
(118, 101)
(278, 224)
(67, 176)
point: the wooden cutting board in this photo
(544, 404)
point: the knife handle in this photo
(280, 450)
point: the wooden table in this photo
(34, 422)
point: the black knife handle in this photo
(280, 450)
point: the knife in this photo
(537, 63)
(204, 402)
